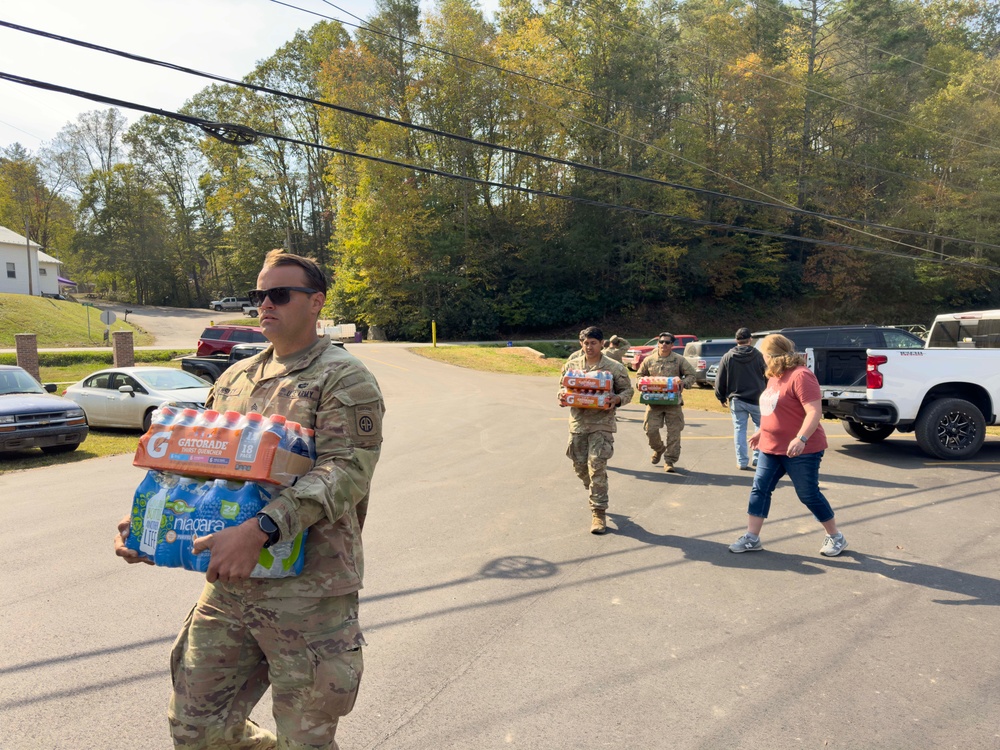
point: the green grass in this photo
(56, 323)
(502, 359)
(104, 442)
(243, 321)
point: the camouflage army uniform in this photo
(591, 438)
(670, 417)
(298, 635)
(617, 352)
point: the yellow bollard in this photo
(434, 332)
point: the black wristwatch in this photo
(269, 527)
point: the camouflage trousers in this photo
(233, 646)
(672, 418)
(589, 453)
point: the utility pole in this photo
(27, 245)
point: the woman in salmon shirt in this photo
(791, 441)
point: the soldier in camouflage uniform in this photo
(617, 346)
(666, 363)
(298, 635)
(591, 431)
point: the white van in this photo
(968, 330)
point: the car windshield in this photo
(18, 381)
(170, 380)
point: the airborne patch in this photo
(366, 420)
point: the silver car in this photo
(127, 396)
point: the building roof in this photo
(9, 237)
(44, 257)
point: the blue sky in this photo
(226, 37)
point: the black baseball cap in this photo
(743, 334)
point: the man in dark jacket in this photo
(739, 382)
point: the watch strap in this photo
(266, 524)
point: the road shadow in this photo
(907, 454)
(976, 589)
(744, 478)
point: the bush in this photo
(64, 359)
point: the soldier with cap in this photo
(738, 384)
(591, 431)
(666, 363)
(299, 636)
(616, 348)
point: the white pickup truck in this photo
(945, 393)
(228, 303)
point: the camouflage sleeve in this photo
(348, 441)
(643, 368)
(688, 372)
(623, 384)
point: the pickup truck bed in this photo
(945, 396)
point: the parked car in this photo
(221, 339)
(869, 337)
(128, 396)
(634, 356)
(31, 417)
(228, 303)
(211, 367)
(703, 354)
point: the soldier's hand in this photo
(235, 551)
(128, 555)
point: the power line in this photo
(417, 45)
(486, 144)
(245, 135)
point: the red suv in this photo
(221, 339)
(634, 356)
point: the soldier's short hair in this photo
(666, 335)
(314, 274)
(592, 332)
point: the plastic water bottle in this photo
(233, 420)
(246, 452)
(309, 438)
(297, 439)
(277, 424)
(186, 417)
(165, 416)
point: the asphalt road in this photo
(495, 620)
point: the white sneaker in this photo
(833, 545)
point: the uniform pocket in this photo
(338, 665)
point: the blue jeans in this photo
(740, 410)
(802, 470)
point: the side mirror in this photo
(50, 387)
(127, 389)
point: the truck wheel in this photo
(867, 433)
(950, 428)
(218, 308)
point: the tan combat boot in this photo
(599, 523)
(656, 456)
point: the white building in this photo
(24, 268)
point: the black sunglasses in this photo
(279, 294)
